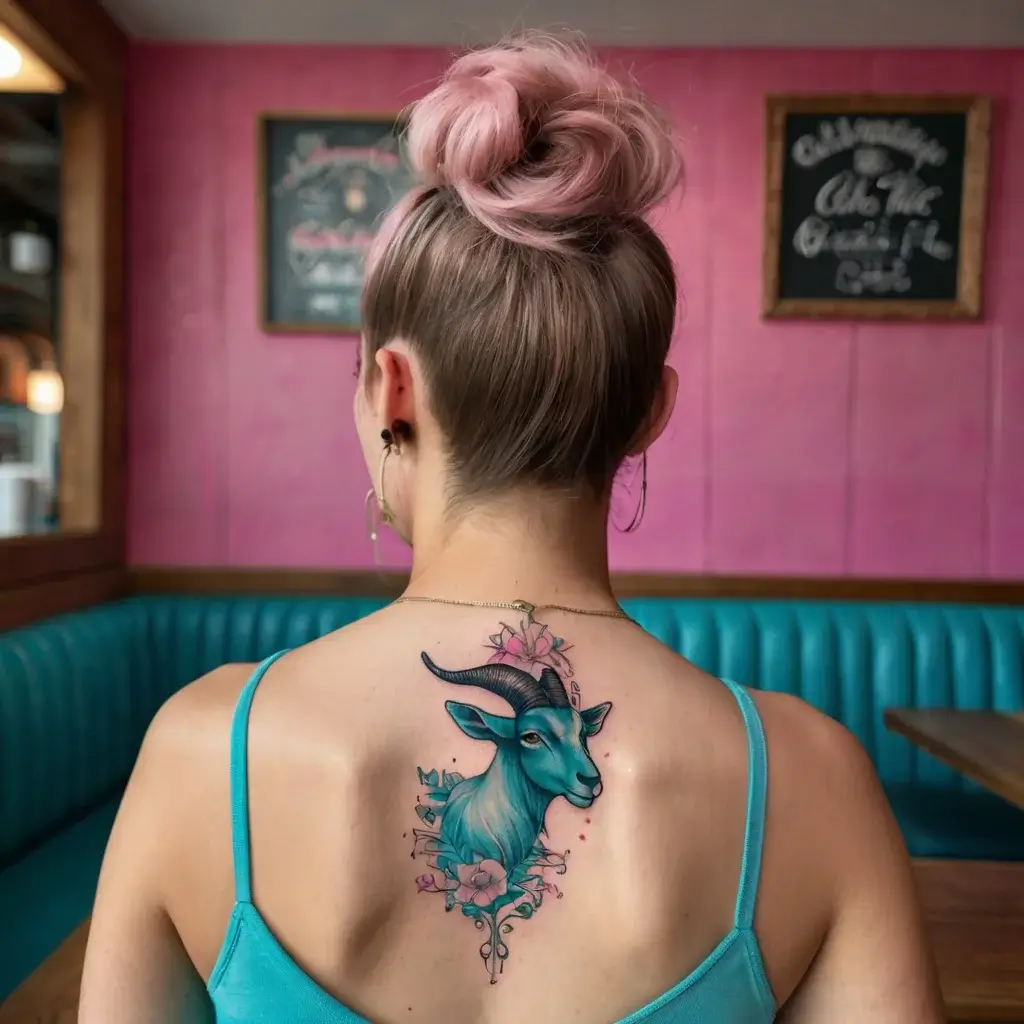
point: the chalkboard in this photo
(326, 184)
(875, 206)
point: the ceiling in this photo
(878, 23)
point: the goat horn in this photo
(519, 688)
(554, 689)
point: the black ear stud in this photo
(400, 431)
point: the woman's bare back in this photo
(350, 751)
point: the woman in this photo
(498, 799)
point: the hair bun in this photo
(532, 134)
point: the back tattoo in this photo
(482, 837)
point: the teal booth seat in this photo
(77, 693)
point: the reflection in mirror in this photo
(31, 388)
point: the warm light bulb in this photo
(10, 59)
(45, 391)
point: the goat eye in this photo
(531, 739)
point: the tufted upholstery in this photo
(77, 693)
(853, 660)
(76, 696)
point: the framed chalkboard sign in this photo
(325, 183)
(875, 206)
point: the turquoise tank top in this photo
(256, 982)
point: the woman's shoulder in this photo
(801, 738)
(197, 714)
(182, 770)
(833, 848)
(821, 782)
(829, 832)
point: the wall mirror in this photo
(61, 345)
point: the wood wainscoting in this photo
(20, 606)
(208, 580)
(73, 590)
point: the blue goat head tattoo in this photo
(483, 834)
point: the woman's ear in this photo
(395, 385)
(664, 404)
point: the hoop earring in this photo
(641, 507)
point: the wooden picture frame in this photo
(973, 199)
(84, 46)
(364, 126)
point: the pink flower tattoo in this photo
(481, 884)
(531, 645)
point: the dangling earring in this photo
(641, 507)
(390, 445)
(378, 511)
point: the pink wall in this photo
(796, 448)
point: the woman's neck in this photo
(537, 548)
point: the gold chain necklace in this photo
(524, 607)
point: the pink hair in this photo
(533, 134)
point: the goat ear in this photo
(593, 718)
(479, 725)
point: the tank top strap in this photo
(240, 781)
(757, 799)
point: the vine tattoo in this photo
(483, 837)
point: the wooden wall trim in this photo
(20, 606)
(186, 580)
(173, 580)
(822, 588)
(114, 423)
(82, 314)
(24, 560)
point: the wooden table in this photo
(974, 911)
(986, 746)
(49, 995)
